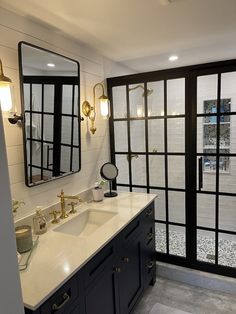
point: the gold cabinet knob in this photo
(117, 269)
(125, 259)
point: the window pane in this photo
(227, 177)
(67, 99)
(206, 246)
(66, 130)
(227, 250)
(176, 206)
(160, 204)
(176, 171)
(176, 96)
(176, 135)
(139, 170)
(123, 167)
(206, 91)
(136, 100)
(121, 137)
(137, 136)
(206, 210)
(227, 213)
(119, 102)
(156, 135)
(177, 242)
(157, 171)
(155, 98)
(160, 230)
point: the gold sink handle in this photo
(73, 210)
(55, 218)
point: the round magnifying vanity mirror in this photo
(109, 172)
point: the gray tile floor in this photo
(172, 297)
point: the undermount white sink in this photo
(85, 223)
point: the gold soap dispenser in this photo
(39, 221)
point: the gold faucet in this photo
(16, 204)
(64, 197)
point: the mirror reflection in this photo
(50, 105)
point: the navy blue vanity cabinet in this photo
(114, 279)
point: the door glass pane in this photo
(176, 135)
(227, 213)
(206, 210)
(156, 135)
(227, 176)
(155, 98)
(139, 170)
(227, 250)
(228, 83)
(49, 98)
(123, 167)
(206, 246)
(66, 130)
(208, 173)
(48, 127)
(137, 136)
(176, 96)
(136, 100)
(119, 102)
(160, 230)
(123, 188)
(121, 137)
(177, 242)
(176, 206)
(176, 171)
(160, 204)
(67, 91)
(139, 190)
(157, 171)
(206, 91)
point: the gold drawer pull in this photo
(126, 259)
(117, 269)
(150, 264)
(149, 212)
(66, 298)
(150, 236)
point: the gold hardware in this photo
(150, 236)
(150, 264)
(66, 298)
(73, 210)
(117, 269)
(149, 212)
(90, 111)
(55, 218)
(64, 197)
(16, 204)
(130, 157)
(126, 259)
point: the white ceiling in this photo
(142, 33)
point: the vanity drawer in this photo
(63, 300)
(94, 267)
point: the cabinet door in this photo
(101, 295)
(130, 276)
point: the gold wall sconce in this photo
(90, 111)
(6, 96)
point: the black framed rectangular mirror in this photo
(50, 92)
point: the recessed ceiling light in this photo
(51, 65)
(173, 58)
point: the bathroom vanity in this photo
(105, 271)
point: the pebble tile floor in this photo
(205, 247)
(172, 297)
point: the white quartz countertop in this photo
(58, 256)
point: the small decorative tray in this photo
(25, 257)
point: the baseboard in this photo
(196, 278)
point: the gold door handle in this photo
(150, 236)
(150, 264)
(149, 212)
(66, 298)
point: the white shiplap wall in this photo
(95, 148)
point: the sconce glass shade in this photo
(5, 91)
(104, 106)
(5, 96)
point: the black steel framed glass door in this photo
(171, 134)
(214, 108)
